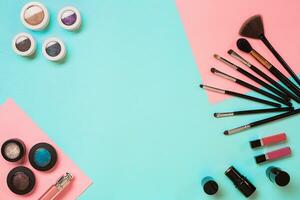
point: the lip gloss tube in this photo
(57, 188)
(273, 155)
(268, 141)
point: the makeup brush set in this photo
(278, 93)
(279, 96)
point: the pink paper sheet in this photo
(212, 26)
(14, 123)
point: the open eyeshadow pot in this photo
(23, 44)
(69, 18)
(13, 150)
(35, 16)
(42, 156)
(21, 180)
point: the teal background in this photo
(126, 107)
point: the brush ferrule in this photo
(239, 129)
(219, 115)
(230, 64)
(261, 59)
(226, 76)
(213, 89)
(240, 58)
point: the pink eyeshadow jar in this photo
(35, 16)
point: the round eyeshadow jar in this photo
(54, 49)
(20, 180)
(23, 44)
(69, 18)
(42, 156)
(13, 150)
(35, 16)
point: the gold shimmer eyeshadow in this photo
(34, 15)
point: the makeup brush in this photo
(261, 122)
(243, 96)
(254, 28)
(263, 75)
(247, 112)
(245, 46)
(251, 87)
(252, 77)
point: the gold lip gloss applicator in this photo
(57, 188)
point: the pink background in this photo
(14, 123)
(212, 26)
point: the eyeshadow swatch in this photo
(68, 17)
(20, 180)
(53, 48)
(34, 15)
(42, 157)
(12, 150)
(23, 43)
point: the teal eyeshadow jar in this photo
(43, 156)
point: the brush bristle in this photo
(253, 27)
(244, 45)
(230, 51)
(217, 56)
(213, 70)
(226, 132)
(201, 85)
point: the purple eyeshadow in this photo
(69, 17)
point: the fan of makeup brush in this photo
(254, 28)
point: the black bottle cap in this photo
(211, 187)
(276, 175)
(241, 182)
(255, 144)
(260, 159)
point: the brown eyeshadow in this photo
(23, 43)
(21, 181)
(34, 15)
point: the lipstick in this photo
(240, 182)
(268, 141)
(278, 176)
(57, 188)
(273, 155)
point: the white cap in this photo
(27, 49)
(69, 18)
(54, 49)
(35, 16)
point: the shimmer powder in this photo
(23, 44)
(69, 18)
(54, 49)
(21, 180)
(13, 150)
(42, 156)
(35, 16)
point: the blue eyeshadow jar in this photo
(42, 156)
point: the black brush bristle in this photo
(244, 45)
(253, 27)
(213, 70)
